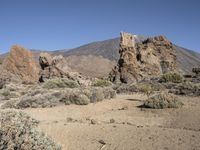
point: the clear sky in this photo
(60, 24)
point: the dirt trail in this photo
(119, 124)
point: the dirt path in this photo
(119, 124)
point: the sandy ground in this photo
(119, 124)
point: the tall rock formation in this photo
(151, 57)
(20, 63)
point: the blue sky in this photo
(60, 24)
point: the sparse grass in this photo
(172, 77)
(163, 100)
(60, 83)
(101, 83)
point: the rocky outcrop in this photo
(151, 57)
(53, 67)
(20, 63)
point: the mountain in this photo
(186, 59)
(107, 49)
(98, 58)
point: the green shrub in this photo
(60, 83)
(163, 100)
(172, 77)
(101, 83)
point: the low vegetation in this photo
(19, 132)
(143, 87)
(172, 77)
(101, 83)
(40, 98)
(187, 88)
(60, 83)
(163, 100)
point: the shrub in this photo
(187, 88)
(51, 98)
(163, 100)
(38, 101)
(18, 132)
(172, 77)
(98, 94)
(5, 93)
(145, 88)
(60, 83)
(9, 104)
(101, 83)
(77, 97)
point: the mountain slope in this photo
(108, 49)
(186, 59)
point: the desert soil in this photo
(120, 124)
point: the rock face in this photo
(21, 64)
(52, 67)
(151, 57)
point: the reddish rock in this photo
(20, 63)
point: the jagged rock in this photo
(52, 67)
(45, 60)
(138, 61)
(20, 63)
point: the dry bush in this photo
(40, 98)
(9, 104)
(75, 98)
(98, 94)
(171, 77)
(163, 100)
(60, 83)
(101, 83)
(186, 88)
(142, 87)
(18, 132)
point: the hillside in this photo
(186, 58)
(106, 54)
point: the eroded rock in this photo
(138, 61)
(20, 63)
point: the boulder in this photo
(146, 59)
(53, 67)
(21, 64)
(45, 60)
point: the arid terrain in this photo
(143, 101)
(122, 125)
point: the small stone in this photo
(128, 123)
(69, 119)
(93, 121)
(112, 120)
(102, 142)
